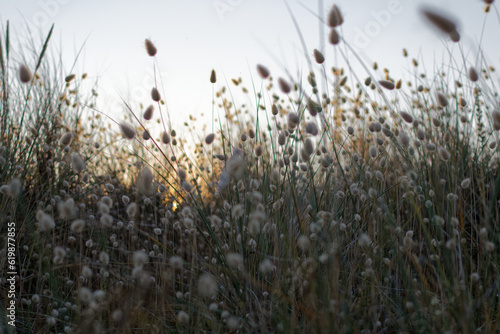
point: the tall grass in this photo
(339, 202)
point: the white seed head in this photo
(155, 94)
(266, 266)
(263, 71)
(442, 100)
(144, 181)
(284, 86)
(132, 210)
(234, 260)
(335, 17)
(406, 116)
(77, 226)
(465, 183)
(66, 138)
(404, 139)
(303, 242)
(148, 113)
(128, 131)
(25, 74)
(364, 240)
(176, 262)
(473, 76)
(106, 220)
(165, 137)
(312, 128)
(207, 285)
(183, 317)
(387, 84)
(444, 154)
(373, 152)
(140, 258)
(150, 48)
(209, 139)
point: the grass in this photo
(335, 203)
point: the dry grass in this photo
(371, 206)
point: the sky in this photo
(231, 36)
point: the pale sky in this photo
(232, 36)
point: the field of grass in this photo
(340, 202)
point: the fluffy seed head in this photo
(313, 107)
(263, 71)
(444, 154)
(59, 255)
(45, 221)
(293, 120)
(238, 211)
(207, 285)
(465, 183)
(155, 94)
(473, 76)
(148, 113)
(24, 74)
(275, 110)
(165, 137)
(420, 134)
(335, 17)
(77, 162)
(334, 37)
(284, 86)
(442, 100)
(140, 258)
(406, 116)
(85, 178)
(259, 150)
(176, 262)
(183, 317)
(209, 139)
(455, 36)
(303, 242)
(77, 226)
(496, 119)
(213, 77)
(66, 138)
(282, 139)
(440, 21)
(318, 56)
(364, 240)
(266, 266)
(373, 152)
(309, 146)
(181, 173)
(404, 139)
(150, 48)
(70, 77)
(132, 210)
(106, 220)
(312, 128)
(387, 84)
(66, 209)
(128, 131)
(234, 260)
(436, 122)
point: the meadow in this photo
(338, 202)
